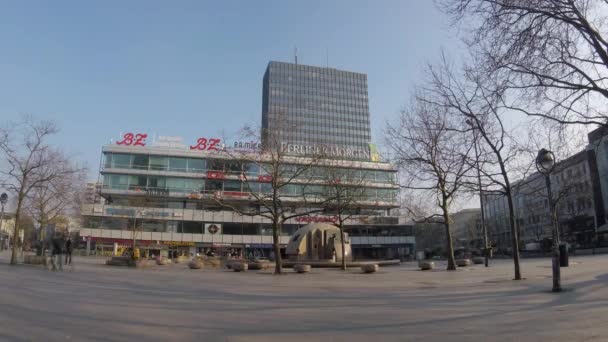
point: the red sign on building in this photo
(215, 175)
(311, 219)
(204, 144)
(130, 139)
(265, 178)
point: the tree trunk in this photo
(448, 237)
(343, 245)
(451, 262)
(514, 235)
(16, 229)
(278, 265)
(135, 237)
(42, 238)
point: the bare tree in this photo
(344, 195)
(482, 107)
(551, 55)
(60, 196)
(432, 152)
(31, 162)
(283, 188)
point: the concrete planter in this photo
(369, 268)
(119, 261)
(162, 261)
(140, 263)
(426, 265)
(463, 262)
(212, 262)
(181, 259)
(239, 266)
(195, 264)
(35, 260)
(300, 268)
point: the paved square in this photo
(173, 303)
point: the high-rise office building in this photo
(312, 106)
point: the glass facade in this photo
(194, 178)
(310, 105)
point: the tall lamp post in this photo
(486, 250)
(3, 200)
(545, 162)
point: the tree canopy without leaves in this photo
(550, 55)
(344, 195)
(480, 106)
(59, 197)
(268, 191)
(31, 163)
(432, 152)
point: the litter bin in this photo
(563, 255)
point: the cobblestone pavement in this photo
(92, 301)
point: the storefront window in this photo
(137, 182)
(232, 228)
(119, 182)
(313, 190)
(121, 161)
(196, 165)
(251, 170)
(213, 185)
(107, 160)
(385, 177)
(195, 185)
(251, 187)
(291, 190)
(176, 184)
(370, 194)
(153, 226)
(368, 175)
(232, 185)
(233, 167)
(158, 163)
(178, 164)
(265, 188)
(215, 165)
(140, 162)
(190, 227)
(156, 182)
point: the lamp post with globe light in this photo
(545, 162)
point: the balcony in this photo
(226, 239)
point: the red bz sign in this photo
(202, 144)
(130, 139)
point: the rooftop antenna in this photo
(327, 57)
(295, 54)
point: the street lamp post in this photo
(486, 250)
(545, 162)
(3, 200)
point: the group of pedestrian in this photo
(61, 245)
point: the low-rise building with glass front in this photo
(173, 194)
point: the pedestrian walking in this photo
(68, 251)
(57, 254)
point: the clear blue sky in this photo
(193, 68)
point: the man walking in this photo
(58, 245)
(68, 251)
